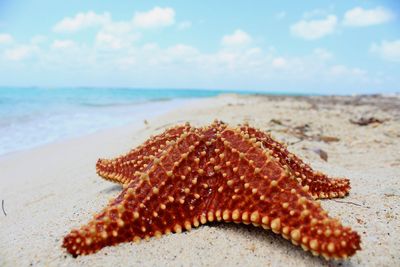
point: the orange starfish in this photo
(190, 176)
(320, 186)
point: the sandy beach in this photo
(51, 189)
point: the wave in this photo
(122, 104)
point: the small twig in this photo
(352, 203)
(391, 195)
(296, 142)
(2, 207)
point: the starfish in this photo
(320, 185)
(190, 176)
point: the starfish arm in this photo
(166, 198)
(120, 170)
(320, 185)
(260, 191)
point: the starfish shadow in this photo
(112, 189)
(285, 246)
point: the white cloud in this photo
(155, 18)
(341, 70)
(106, 40)
(182, 50)
(63, 44)
(134, 65)
(6, 38)
(387, 50)
(19, 53)
(359, 17)
(184, 25)
(116, 36)
(314, 29)
(279, 62)
(238, 38)
(82, 21)
(117, 27)
(150, 46)
(237, 62)
(323, 54)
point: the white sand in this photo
(51, 189)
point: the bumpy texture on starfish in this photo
(190, 176)
(120, 170)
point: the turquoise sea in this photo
(30, 117)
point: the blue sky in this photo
(318, 46)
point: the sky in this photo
(327, 47)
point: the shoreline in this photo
(52, 188)
(170, 106)
(140, 112)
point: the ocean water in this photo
(30, 117)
